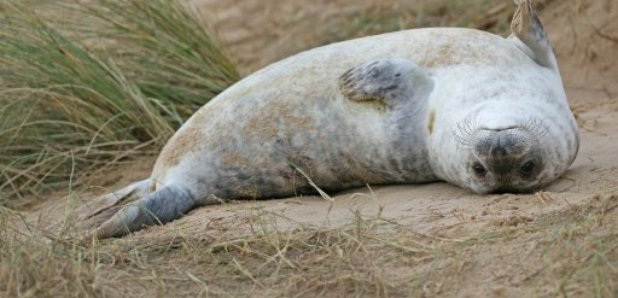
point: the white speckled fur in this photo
(251, 140)
(458, 87)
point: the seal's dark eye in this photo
(527, 169)
(479, 169)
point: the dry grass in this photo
(278, 29)
(78, 98)
(571, 253)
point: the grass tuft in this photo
(573, 253)
(72, 103)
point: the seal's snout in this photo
(501, 144)
(506, 160)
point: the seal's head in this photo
(507, 158)
(511, 129)
(508, 146)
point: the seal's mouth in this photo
(499, 129)
(469, 132)
(504, 141)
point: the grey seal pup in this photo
(477, 110)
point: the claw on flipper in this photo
(102, 208)
(133, 208)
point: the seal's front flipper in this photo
(527, 27)
(158, 207)
(388, 80)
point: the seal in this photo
(477, 110)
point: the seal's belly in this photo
(272, 148)
(266, 134)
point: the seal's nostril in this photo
(502, 145)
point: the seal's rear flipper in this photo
(102, 207)
(389, 80)
(527, 27)
(158, 207)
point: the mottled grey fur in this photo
(463, 106)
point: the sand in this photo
(585, 37)
(588, 62)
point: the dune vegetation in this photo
(91, 89)
(87, 86)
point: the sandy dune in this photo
(588, 60)
(542, 240)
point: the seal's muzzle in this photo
(509, 156)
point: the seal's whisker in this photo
(465, 131)
(535, 129)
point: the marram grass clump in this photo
(75, 98)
